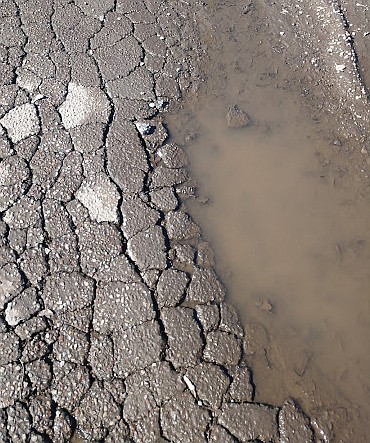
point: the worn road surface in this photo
(113, 325)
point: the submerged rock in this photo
(236, 118)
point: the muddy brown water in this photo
(290, 229)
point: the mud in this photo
(288, 217)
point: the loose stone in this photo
(236, 118)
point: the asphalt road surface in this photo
(113, 324)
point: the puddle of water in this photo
(292, 249)
(292, 245)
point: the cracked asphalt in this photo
(113, 324)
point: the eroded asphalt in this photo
(113, 323)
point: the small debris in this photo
(37, 97)
(336, 142)
(190, 385)
(192, 137)
(340, 68)
(144, 128)
(247, 7)
(264, 305)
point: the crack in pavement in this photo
(113, 323)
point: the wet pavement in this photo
(113, 324)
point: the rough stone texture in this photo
(146, 391)
(210, 383)
(100, 196)
(164, 381)
(137, 348)
(62, 429)
(31, 327)
(137, 85)
(121, 306)
(119, 433)
(137, 216)
(22, 307)
(11, 384)
(39, 373)
(205, 255)
(230, 320)
(21, 122)
(205, 287)
(237, 118)
(127, 49)
(171, 287)
(99, 243)
(209, 316)
(180, 226)
(117, 269)
(68, 292)
(84, 105)
(101, 356)
(40, 411)
(72, 345)
(70, 384)
(147, 429)
(184, 421)
(148, 249)
(9, 345)
(117, 388)
(96, 413)
(222, 348)
(259, 421)
(164, 198)
(219, 434)
(163, 176)
(241, 389)
(3, 430)
(139, 401)
(172, 155)
(183, 255)
(14, 180)
(10, 283)
(294, 426)
(184, 349)
(326, 52)
(19, 423)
